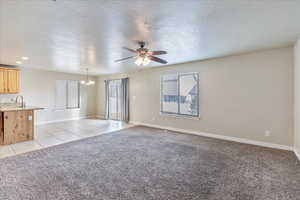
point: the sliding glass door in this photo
(114, 100)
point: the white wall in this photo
(38, 89)
(297, 97)
(240, 96)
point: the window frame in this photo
(178, 114)
(78, 95)
(67, 107)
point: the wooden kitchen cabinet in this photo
(3, 80)
(1, 128)
(16, 126)
(9, 80)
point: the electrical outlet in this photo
(267, 133)
(153, 118)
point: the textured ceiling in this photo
(69, 35)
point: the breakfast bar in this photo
(16, 124)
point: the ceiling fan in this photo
(144, 56)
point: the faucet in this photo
(22, 102)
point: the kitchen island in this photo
(16, 124)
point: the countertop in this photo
(8, 109)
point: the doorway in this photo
(114, 100)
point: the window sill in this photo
(179, 116)
(64, 109)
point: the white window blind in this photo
(170, 93)
(73, 94)
(60, 94)
(179, 94)
(67, 94)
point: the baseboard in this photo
(100, 117)
(222, 137)
(297, 154)
(63, 120)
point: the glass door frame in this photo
(117, 87)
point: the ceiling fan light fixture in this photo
(142, 61)
(146, 61)
(139, 61)
(144, 56)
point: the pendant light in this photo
(87, 81)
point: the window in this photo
(179, 94)
(67, 94)
(115, 99)
(73, 94)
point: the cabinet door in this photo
(13, 81)
(10, 123)
(3, 80)
(18, 126)
(1, 128)
(24, 129)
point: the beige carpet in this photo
(144, 163)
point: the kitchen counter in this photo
(8, 109)
(16, 124)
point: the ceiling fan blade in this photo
(156, 59)
(157, 52)
(131, 50)
(124, 58)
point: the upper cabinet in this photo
(9, 80)
(3, 80)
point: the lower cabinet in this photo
(16, 126)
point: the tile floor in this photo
(58, 133)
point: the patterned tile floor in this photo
(62, 132)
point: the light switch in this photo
(30, 117)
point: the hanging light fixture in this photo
(142, 60)
(143, 55)
(139, 61)
(146, 61)
(87, 81)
